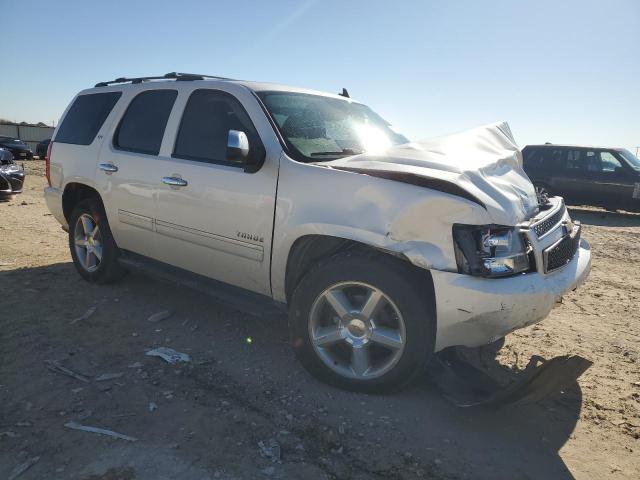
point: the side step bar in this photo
(238, 298)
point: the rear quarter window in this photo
(533, 157)
(85, 117)
(541, 158)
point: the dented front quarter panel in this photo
(408, 220)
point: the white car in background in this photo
(383, 251)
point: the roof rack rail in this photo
(192, 76)
(178, 76)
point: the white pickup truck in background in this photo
(383, 251)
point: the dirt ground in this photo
(204, 419)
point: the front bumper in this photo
(474, 311)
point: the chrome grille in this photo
(562, 252)
(546, 224)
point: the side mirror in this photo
(237, 147)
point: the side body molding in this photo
(221, 243)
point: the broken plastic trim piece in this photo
(417, 180)
(466, 386)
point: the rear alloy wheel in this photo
(92, 247)
(87, 240)
(363, 321)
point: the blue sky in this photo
(560, 71)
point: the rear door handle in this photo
(108, 168)
(174, 181)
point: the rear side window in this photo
(207, 119)
(85, 117)
(591, 161)
(142, 126)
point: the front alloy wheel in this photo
(356, 330)
(363, 321)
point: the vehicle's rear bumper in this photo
(474, 311)
(53, 199)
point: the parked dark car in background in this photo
(11, 176)
(17, 147)
(606, 177)
(41, 148)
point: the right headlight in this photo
(490, 250)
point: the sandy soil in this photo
(204, 419)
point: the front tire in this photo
(364, 321)
(93, 249)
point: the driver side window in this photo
(609, 163)
(204, 129)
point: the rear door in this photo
(127, 168)
(218, 221)
(572, 179)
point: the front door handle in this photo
(174, 181)
(108, 168)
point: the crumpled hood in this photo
(484, 163)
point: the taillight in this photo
(47, 163)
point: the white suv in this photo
(383, 251)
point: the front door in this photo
(213, 218)
(616, 179)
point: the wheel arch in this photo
(308, 250)
(75, 192)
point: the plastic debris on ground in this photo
(99, 431)
(169, 355)
(84, 316)
(108, 376)
(465, 385)
(159, 316)
(270, 449)
(56, 367)
(23, 467)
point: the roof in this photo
(570, 145)
(191, 77)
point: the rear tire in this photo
(93, 249)
(385, 335)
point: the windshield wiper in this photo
(344, 153)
